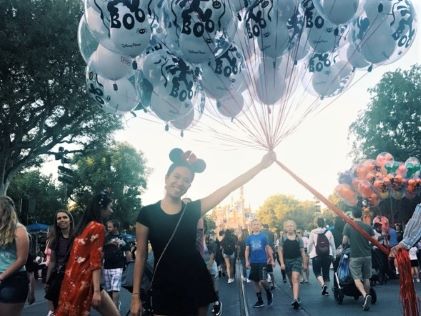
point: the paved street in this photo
(230, 294)
(316, 305)
(312, 302)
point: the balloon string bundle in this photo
(410, 302)
(334, 208)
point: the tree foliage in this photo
(32, 187)
(42, 80)
(118, 168)
(278, 208)
(391, 121)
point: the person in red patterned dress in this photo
(81, 284)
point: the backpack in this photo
(322, 245)
(228, 245)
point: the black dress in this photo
(182, 282)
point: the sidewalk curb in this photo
(243, 300)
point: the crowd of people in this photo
(295, 250)
(86, 261)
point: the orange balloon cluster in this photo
(376, 180)
(347, 194)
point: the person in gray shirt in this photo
(360, 258)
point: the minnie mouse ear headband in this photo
(187, 159)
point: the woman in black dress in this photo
(182, 284)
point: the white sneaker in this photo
(248, 281)
(230, 281)
(418, 280)
(50, 313)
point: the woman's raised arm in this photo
(216, 197)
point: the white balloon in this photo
(285, 8)
(197, 50)
(373, 39)
(263, 23)
(200, 26)
(124, 96)
(87, 43)
(337, 11)
(166, 109)
(237, 5)
(353, 56)
(332, 80)
(241, 39)
(216, 86)
(221, 73)
(286, 66)
(324, 39)
(302, 48)
(184, 122)
(323, 36)
(151, 67)
(231, 105)
(111, 65)
(274, 39)
(116, 97)
(386, 30)
(270, 83)
(99, 5)
(379, 46)
(130, 29)
(98, 28)
(377, 9)
(173, 96)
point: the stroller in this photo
(343, 284)
(144, 287)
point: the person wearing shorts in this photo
(229, 249)
(321, 262)
(360, 256)
(271, 241)
(14, 248)
(258, 254)
(114, 260)
(291, 255)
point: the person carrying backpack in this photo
(229, 247)
(321, 248)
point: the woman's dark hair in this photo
(93, 212)
(56, 231)
(320, 222)
(377, 225)
(357, 212)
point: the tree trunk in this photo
(3, 188)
